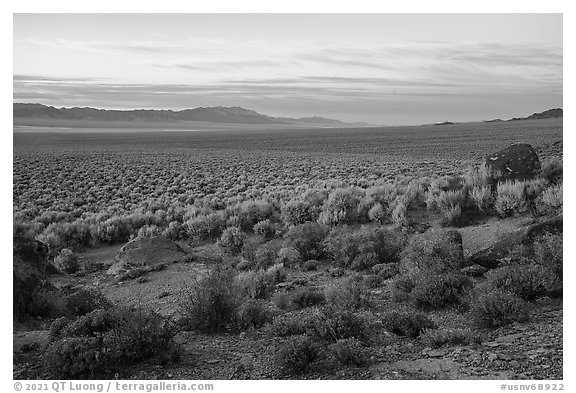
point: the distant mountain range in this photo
(218, 114)
(549, 114)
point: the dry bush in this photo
(440, 290)
(525, 281)
(307, 239)
(103, 342)
(232, 240)
(407, 323)
(437, 338)
(67, 261)
(551, 200)
(347, 294)
(510, 198)
(481, 196)
(494, 309)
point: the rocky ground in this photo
(532, 350)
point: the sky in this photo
(393, 69)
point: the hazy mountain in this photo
(549, 114)
(210, 114)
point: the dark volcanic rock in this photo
(516, 162)
(30, 266)
(147, 251)
(490, 257)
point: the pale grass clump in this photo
(399, 214)
(481, 196)
(551, 200)
(510, 198)
(477, 177)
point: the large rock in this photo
(433, 251)
(147, 252)
(516, 162)
(492, 256)
(29, 268)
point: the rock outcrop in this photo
(147, 252)
(491, 257)
(30, 267)
(516, 162)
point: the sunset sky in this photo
(379, 68)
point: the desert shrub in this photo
(349, 351)
(84, 301)
(306, 297)
(434, 251)
(347, 294)
(45, 302)
(510, 198)
(175, 231)
(248, 213)
(266, 229)
(494, 309)
(288, 256)
(292, 324)
(383, 195)
(344, 245)
(104, 341)
(113, 230)
(342, 207)
(295, 355)
(388, 271)
(440, 290)
(552, 170)
(364, 261)
(208, 226)
(73, 234)
(258, 284)
(307, 239)
(399, 216)
(331, 325)
(551, 200)
(310, 265)
(477, 177)
(402, 286)
(253, 313)
(446, 200)
(67, 261)
(525, 281)
(407, 323)
(264, 257)
(548, 252)
(26, 229)
(437, 338)
(378, 214)
(297, 212)
(149, 231)
(232, 240)
(481, 196)
(210, 305)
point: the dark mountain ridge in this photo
(206, 114)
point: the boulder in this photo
(491, 256)
(29, 269)
(147, 252)
(436, 250)
(516, 162)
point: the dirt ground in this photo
(533, 350)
